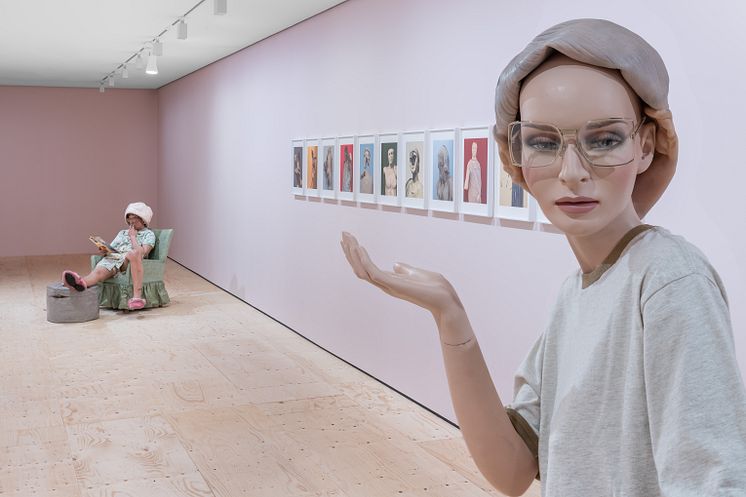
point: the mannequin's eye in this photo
(602, 140)
(543, 143)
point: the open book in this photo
(101, 243)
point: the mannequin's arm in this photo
(498, 451)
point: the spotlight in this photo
(181, 30)
(157, 48)
(111, 80)
(125, 72)
(101, 88)
(220, 7)
(139, 61)
(152, 65)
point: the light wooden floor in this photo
(206, 397)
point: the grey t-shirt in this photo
(634, 389)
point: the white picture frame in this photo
(413, 185)
(298, 178)
(365, 169)
(511, 200)
(327, 167)
(311, 167)
(386, 142)
(345, 183)
(441, 191)
(475, 168)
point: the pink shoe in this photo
(71, 279)
(135, 304)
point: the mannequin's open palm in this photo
(424, 288)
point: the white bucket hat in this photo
(140, 209)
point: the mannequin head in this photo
(135, 221)
(570, 96)
(390, 156)
(474, 150)
(602, 44)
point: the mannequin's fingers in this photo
(354, 260)
(354, 264)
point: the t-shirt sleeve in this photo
(695, 395)
(148, 238)
(524, 412)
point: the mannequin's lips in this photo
(576, 205)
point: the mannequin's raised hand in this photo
(425, 288)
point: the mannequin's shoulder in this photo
(661, 257)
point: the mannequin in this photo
(633, 389)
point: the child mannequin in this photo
(633, 389)
(133, 245)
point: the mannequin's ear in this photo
(647, 146)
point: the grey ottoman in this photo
(69, 306)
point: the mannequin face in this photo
(391, 156)
(474, 150)
(568, 94)
(135, 221)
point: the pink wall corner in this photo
(70, 161)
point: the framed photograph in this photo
(365, 169)
(327, 179)
(312, 169)
(475, 171)
(512, 199)
(389, 170)
(442, 181)
(298, 183)
(413, 172)
(345, 173)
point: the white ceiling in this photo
(77, 43)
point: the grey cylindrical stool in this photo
(70, 306)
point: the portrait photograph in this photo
(327, 167)
(512, 201)
(475, 171)
(345, 168)
(366, 168)
(298, 187)
(389, 169)
(312, 158)
(414, 169)
(442, 162)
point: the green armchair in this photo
(117, 290)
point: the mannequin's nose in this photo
(574, 170)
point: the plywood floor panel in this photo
(204, 398)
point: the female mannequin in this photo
(633, 389)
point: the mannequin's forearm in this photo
(498, 451)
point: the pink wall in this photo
(70, 161)
(370, 66)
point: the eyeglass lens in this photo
(603, 143)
